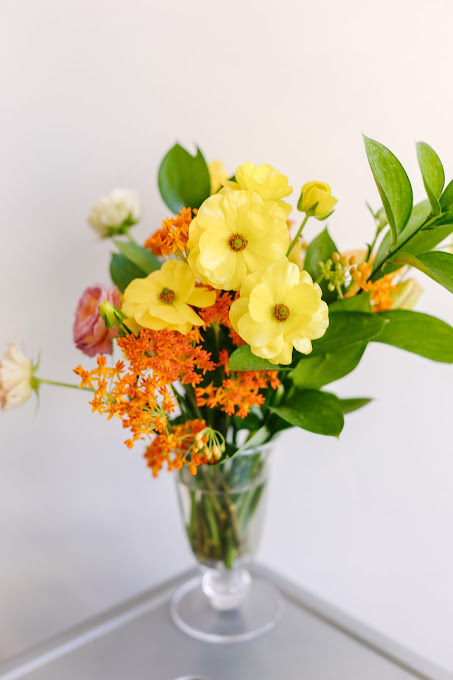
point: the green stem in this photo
(295, 239)
(393, 252)
(191, 397)
(63, 384)
(127, 234)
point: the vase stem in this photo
(225, 588)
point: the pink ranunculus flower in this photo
(90, 334)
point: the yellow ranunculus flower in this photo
(317, 194)
(163, 299)
(218, 174)
(279, 309)
(233, 235)
(265, 181)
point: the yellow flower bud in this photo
(316, 199)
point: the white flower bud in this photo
(15, 378)
(115, 212)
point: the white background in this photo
(93, 93)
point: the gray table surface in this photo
(138, 641)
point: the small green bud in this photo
(111, 315)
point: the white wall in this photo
(92, 95)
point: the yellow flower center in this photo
(167, 295)
(281, 312)
(237, 242)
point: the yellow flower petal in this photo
(201, 297)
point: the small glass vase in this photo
(222, 508)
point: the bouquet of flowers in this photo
(231, 326)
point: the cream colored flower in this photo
(16, 373)
(265, 181)
(406, 294)
(233, 235)
(114, 213)
(280, 308)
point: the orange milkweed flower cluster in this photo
(381, 290)
(176, 448)
(172, 237)
(219, 313)
(236, 395)
(142, 395)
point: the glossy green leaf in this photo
(320, 249)
(351, 405)
(314, 372)
(419, 243)
(347, 328)
(436, 264)
(432, 173)
(243, 359)
(414, 239)
(183, 179)
(418, 333)
(357, 303)
(315, 411)
(393, 185)
(123, 271)
(446, 200)
(141, 257)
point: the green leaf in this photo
(393, 185)
(437, 265)
(347, 328)
(419, 242)
(183, 179)
(419, 215)
(243, 359)
(315, 411)
(141, 257)
(357, 303)
(432, 173)
(320, 249)
(314, 372)
(419, 333)
(350, 405)
(123, 271)
(446, 200)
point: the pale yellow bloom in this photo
(163, 299)
(217, 174)
(316, 198)
(406, 294)
(279, 309)
(233, 235)
(16, 373)
(265, 181)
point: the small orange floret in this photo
(175, 448)
(237, 395)
(380, 290)
(219, 313)
(173, 235)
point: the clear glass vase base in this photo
(259, 613)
